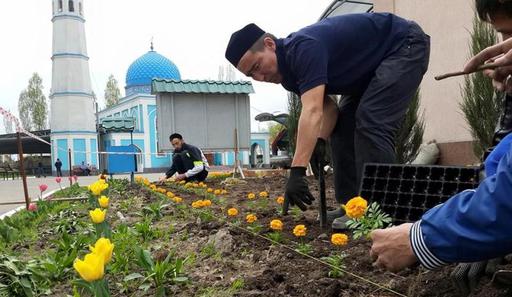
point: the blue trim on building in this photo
(78, 148)
(67, 93)
(156, 161)
(73, 132)
(62, 153)
(53, 156)
(72, 55)
(94, 152)
(141, 122)
(68, 16)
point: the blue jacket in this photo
(473, 225)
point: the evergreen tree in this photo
(294, 109)
(481, 104)
(112, 93)
(409, 137)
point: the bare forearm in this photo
(308, 131)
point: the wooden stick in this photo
(459, 73)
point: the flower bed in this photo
(220, 238)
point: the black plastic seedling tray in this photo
(405, 192)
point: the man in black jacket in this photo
(188, 161)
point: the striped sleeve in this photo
(424, 255)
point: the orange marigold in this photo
(356, 207)
(232, 212)
(300, 230)
(250, 218)
(339, 239)
(276, 225)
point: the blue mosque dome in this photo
(145, 68)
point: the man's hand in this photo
(499, 54)
(392, 249)
(297, 191)
(180, 177)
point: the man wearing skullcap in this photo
(376, 61)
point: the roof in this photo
(9, 143)
(149, 66)
(201, 86)
(117, 124)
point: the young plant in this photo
(160, 272)
(145, 230)
(304, 248)
(276, 237)
(374, 218)
(154, 210)
(337, 260)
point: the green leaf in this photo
(133, 276)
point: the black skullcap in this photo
(241, 41)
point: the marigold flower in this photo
(146, 181)
(209, 190)
(97, 215)
(152, 187)
(250, 218)
(251, 196)
(232, 212)
(223, 192)
(177, 199)
(207, 202)
(263, 194)
(217, 192)
(300, 230)
(339, 239)
(103, 201)
(103, 247)
(138, 178)
(92, 268)
(182, 182)
(280, 200)
(276, 225)
(197, 204)
(170, 194)
(356, 207)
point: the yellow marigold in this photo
(356, 207)
(146, 181)
(182, 182)
(300, 230)
(232, 212)
(103, 201)
(152, 187)
(197, 204)
(103, 247)
(177, 199)
(276, 225)
(170, 194)
(217, 192)
(223, 192)
(250, 218)
(280, 200)
(207, 202)
(263, 194)
(187, 185)
(339, 239)
(251, 196)
(97, 215)
(138, 178)
(91, 268)
(209, 190)
(201, 184)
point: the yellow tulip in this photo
(97, 215)
(103, 200)
(92, 268)
(103, 247)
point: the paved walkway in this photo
(12, 190)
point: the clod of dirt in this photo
(322, 236)
(222, 241)
(230, 181)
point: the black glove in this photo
(297, 191)
(465, 276)
(318, 160)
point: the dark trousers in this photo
(367, 124)
(182, 163)
(59, 172)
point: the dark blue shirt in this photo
(341, 52)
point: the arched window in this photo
(80, 8)
(71, 5)
(60, 5)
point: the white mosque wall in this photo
(70, 74)
(72, 113)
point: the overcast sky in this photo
(193, 34)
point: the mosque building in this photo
(73, 103)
